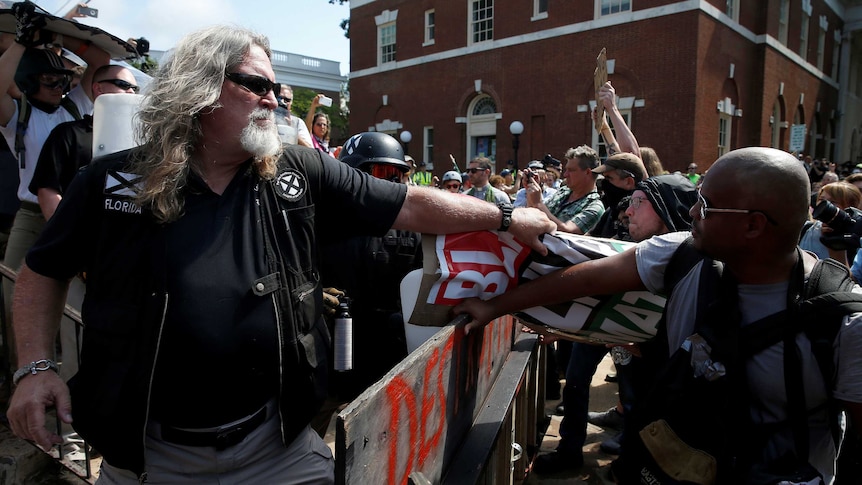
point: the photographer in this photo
(837, 225)
(533, 175)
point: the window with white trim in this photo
(821, 48)
(783, 20)
(599, 144)
(386, 41)
(775, 120)
(540, 9)
(803, 35)
(836, 53)
(610, 7)
(731, 9)
(481, 20)
(724, 127)
(429, 27)
(428, 144)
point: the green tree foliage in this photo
(338, 117)
(345, 23)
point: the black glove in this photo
(27, 23)
(331, 300)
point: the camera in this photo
(846, 225)
(88, 12)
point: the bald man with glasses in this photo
(753, 234)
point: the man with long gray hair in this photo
(204, 351)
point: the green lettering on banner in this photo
(637, 311)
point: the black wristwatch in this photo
(506, 221)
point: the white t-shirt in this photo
(38, 129)
(766, 369)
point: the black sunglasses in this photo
(285, 99)
(124, 85)
(474, 170)
(258, 85)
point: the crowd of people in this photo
(214, 241)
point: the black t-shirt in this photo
(68, 148)
(218, 353)
(213, 318)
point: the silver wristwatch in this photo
(33, 368)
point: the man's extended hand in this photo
(35, 394)
(482, 313)
(528, 224)
(27, 23)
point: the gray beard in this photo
(258, 140)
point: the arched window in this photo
(775, 120)
(482, 128)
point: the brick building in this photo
(695, 78)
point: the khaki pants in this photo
(259, 458)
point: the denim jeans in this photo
(583, 362)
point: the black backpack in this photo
(691, 429)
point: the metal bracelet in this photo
(33, 368)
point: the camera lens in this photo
(827, 213)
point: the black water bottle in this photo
(343, 357)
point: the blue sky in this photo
(307, 27)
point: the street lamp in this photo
(406, 136)
(516, 128)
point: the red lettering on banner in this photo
(476, 264)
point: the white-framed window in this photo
(386, 41)
(540, 9)
(429, 27)
(599, 144)
(821, 48)
(428, 144)
(724, 127)
(482, 118)
(836, 54)
(783, 20)
(481, 20)
(610, 7)
(814, 137)
(803, 35)
(731, 9)
(775, 120)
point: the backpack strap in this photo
(71, 107)
(25, 109)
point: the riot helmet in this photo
(375, 153)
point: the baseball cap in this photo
(623, 161)
(505, 172)
(536, 165)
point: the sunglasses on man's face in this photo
(453, 186)
(474, 170)
(258, 85)
(124, 85)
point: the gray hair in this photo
(188, 82)
(587, 157)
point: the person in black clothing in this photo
(204, 350)
(70, 145)
(369, 270)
